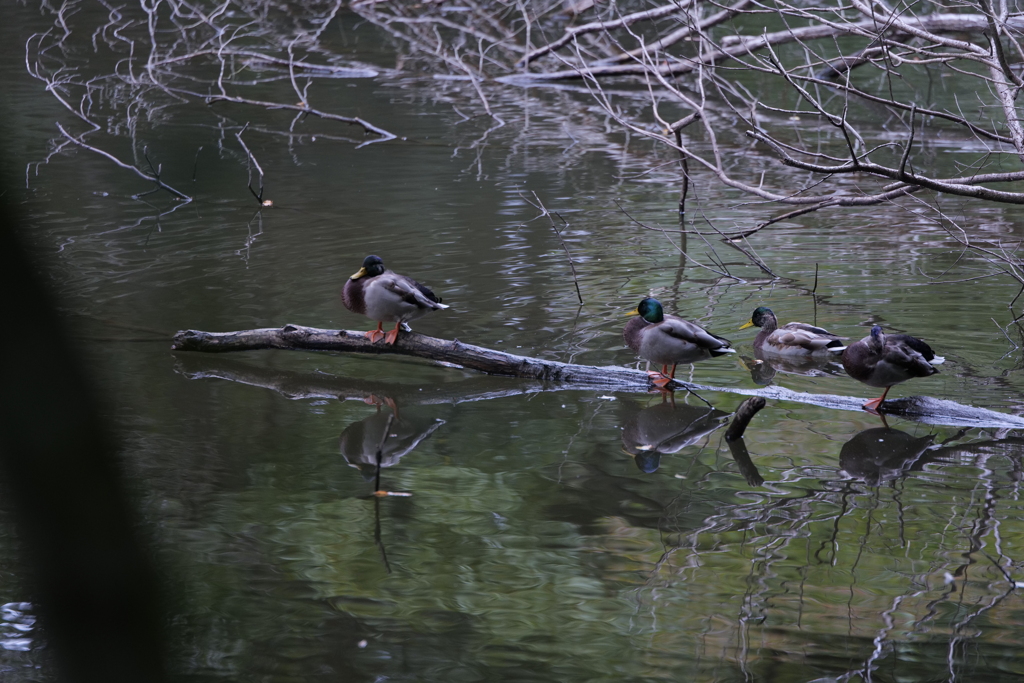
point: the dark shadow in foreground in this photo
(89, 571)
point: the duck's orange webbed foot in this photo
(375, 335)
(872, 405)
(392, 336)
(659, 380)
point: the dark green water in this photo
(533, 546)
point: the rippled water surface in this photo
(542, 536)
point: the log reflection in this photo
(535, 378)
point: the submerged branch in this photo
(560, 376)
(153, 178)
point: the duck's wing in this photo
(426, 291)
(692, 333)
(811, 329)
(916, 345)
(804, 336)
(407, 290)
(902, 354)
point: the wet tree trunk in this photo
(444, 351)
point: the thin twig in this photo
(252, 162)
(545, 213)
(682, 252)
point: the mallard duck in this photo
(669, 340)
(382, 295)
(881, 360)
(792, 339)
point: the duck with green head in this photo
(669, 340)
(885, 360)
(793, 340)
(383, 295)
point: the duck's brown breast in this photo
(352, 296)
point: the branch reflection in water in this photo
(874, 503)
(737, 446)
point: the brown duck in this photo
(885, 360)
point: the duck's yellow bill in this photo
(749, 323)
(635, 311)
(359, 274)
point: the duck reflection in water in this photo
(664, 429)
(764, 368)
(382, 439)
(881, 453)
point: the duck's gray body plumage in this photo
(672, 341)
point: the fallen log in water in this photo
(560, 376)
(454, 352)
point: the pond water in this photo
(540, 537)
